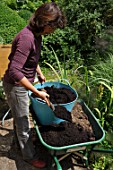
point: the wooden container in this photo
(4, 53)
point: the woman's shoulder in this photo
(26, 31)
(25, 34)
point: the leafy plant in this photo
(62, 71)
(100, 164)
(103, 162)
(102, 79)
(96, 88)
(105, 109)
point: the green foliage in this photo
(62, 71)
(96, 88)
(10, 23)
(103, 163)
(25, 14)
(59, 42)
(104, 69)
(105, 109)
(100, 164)
(102, 78)
(11, 4)
(28, 5)
(86, 20)
(102, 74)
(104, 43)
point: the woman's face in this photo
(48, 30)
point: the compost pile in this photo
(76, 129)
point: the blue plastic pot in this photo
(43, 112)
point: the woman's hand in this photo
(44, 96)
(41, 78)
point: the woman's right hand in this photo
(44, 96)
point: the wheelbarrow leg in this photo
(5, 117)
(57, 163)
(50, 162)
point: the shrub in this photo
(10, 23)
(86, 19)
(59, 41)
(25, 14)
(29, 6)
(12, 4)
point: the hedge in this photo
(25, 14)
(10, 23)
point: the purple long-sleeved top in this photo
(24, 56)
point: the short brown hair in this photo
(47, 14)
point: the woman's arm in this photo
(40, 75)
(43, 95)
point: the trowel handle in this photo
(40, 100)
(43, 101)
(51, 105)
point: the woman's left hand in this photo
(41, 78)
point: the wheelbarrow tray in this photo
(98, 131)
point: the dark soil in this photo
(76, 129)
(59, 95)
(63, 113)
(79, 130)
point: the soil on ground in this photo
(76, 129)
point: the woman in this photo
(22, 68)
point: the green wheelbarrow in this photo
(84, 148)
